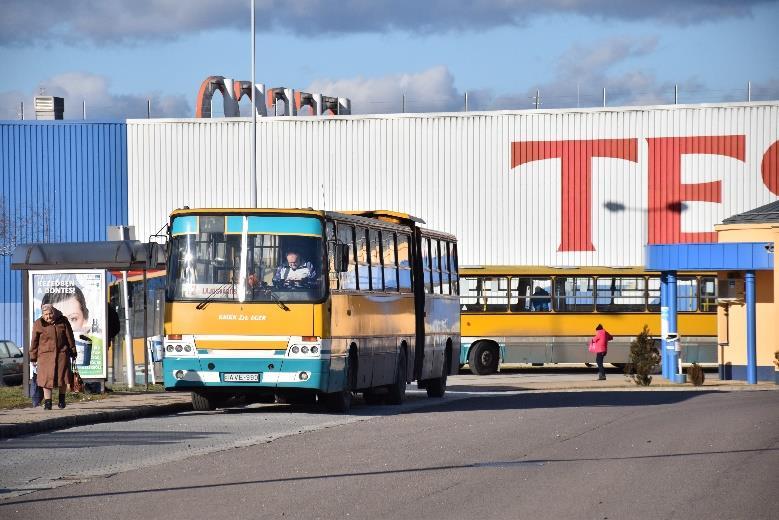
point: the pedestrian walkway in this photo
(126, 406)
(117, 407)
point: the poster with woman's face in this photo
(80, 296)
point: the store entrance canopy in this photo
(122, 255)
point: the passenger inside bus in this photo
(541, 300)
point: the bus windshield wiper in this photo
(267, 289)
(205, 301)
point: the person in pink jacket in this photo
(601, 347)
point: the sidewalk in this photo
(120, 407)
(125, 406)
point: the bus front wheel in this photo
(484, 358)
(201, 402)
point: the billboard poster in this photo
(80, 295)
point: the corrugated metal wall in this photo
(67, 181)
(562, 187)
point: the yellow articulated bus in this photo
(540, 315)
(308, 306)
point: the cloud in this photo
(580, 75)
(431, 90)
(101, 103)
(119, 21)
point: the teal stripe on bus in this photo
(285, 226)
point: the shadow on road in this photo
(81, 439)
(529, 463)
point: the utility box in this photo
(115, 233)
(730, 289)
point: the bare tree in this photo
(22, 225)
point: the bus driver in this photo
(295, 273)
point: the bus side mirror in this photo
(341, 257)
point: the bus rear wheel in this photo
(201, 402)
(484, 358)
(397, 391)
(437, 387)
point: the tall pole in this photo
(22, 110)
(253, 188)
(84, 108)
(148, 108)
(676, 94)
(749, 91)
(128, 335)
(604, 96)
(466, 100)
(403, 104)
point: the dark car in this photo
(11, 362)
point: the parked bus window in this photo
(495, 293)
(435, 260)
(404, 266)
(390, 265)
(446, 282)
(531, 294)
(426, 264)
(363, 265)
(470, 298)
(377, 283)
(686, 294)
(708, 294)
(574, 294)
(348, 279)
(653, 294)
(331, 238)
(455, 269)
(623, 294)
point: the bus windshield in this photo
(246, 259)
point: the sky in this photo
(114, 55)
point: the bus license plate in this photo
(242, 378)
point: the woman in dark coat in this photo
(51, 349)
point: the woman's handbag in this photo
(78, 383)
(591, 346)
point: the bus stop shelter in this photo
(121, 255)
(670, 259)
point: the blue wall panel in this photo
(67, 181)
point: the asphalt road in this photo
(598, 454)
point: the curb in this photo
(125, 414)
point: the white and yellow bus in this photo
(308, 305)
(541, 315)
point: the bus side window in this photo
(377, 274)
(348, 279)
(390, 265)
(653, 294)
(708, 294)
(330, 240)
(446, 282)
(435, 260)
(469, 299)
(454, 267)
(404, 264)
(495, 292)
(574, 294)
(687, 294)
(531, 294)
(426, 264)
(363, 267)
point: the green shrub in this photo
(696, 375)
(644, 358)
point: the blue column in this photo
(664, 344)
(749, 283)
(673, 355)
